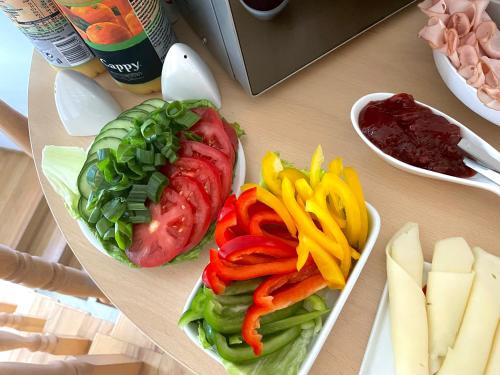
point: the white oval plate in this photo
(477, 180)
(462, 90)
(334, 299)
(238, 180)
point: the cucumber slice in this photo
(112, 132)
(155, 102)
(146, 107)
(121, 123)
(91, 157)
(138, 114)
(83, 186)
(106, 142)
(82, 208)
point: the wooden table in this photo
(312, 107)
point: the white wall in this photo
(15, 62)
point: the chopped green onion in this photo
(103, 153)
(174, 109)
(160, 160)
(138, 193)
(123, 234)
(148, 168)
(114, 209)
(188, 119)
(103, 225)
(136, 206)
(144, 156)
(140, 217)
(94, 176)
(110, 234)
(192, 136)
(125, 152)
(156, 183)
(95, 215)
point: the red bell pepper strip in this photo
(262, 295)
(281, 300)
(275, 226)
(212, 280)
(246, 200)
(232, 271)
(254, 259)
(228, 207)
(240, 246)
(227, 223)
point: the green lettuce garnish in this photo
(61, 166)
(285, 361)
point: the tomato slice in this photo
(218, 159)
(166, 236)
(198, 198)
(231, 133)
(211, 129)
(202, 171)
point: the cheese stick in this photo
(407, 302)
(471, 350)
(448, 288)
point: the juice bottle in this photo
(130, 37)
(52, 35)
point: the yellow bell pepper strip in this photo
(304, 190)
(304, 221)
(293, 174)
(355, 254)
(352, 180)
(320, 195)
(315, 171)
(270, 169)
(336, 167)
(302, 253)
(270, 200)
(334, 184)
(333, 230)
(326, 264)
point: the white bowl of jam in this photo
(417, 138)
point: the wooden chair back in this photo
(34, 272)
(15, 125)
(114, 364)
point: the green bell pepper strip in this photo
(235, 339)
(295, 320)
(315, 303)
(195, 311)
(233, 324)
(242, 299)
(230, 310)
(242, 287)
(242, 353)
(209, 332)
(222, 324)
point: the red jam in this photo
(413, 134)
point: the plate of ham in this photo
(466, 45)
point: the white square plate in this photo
(334, 299)
(379, 357)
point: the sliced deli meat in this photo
(464, 31)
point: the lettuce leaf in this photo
(285, 361)
(61, 166)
